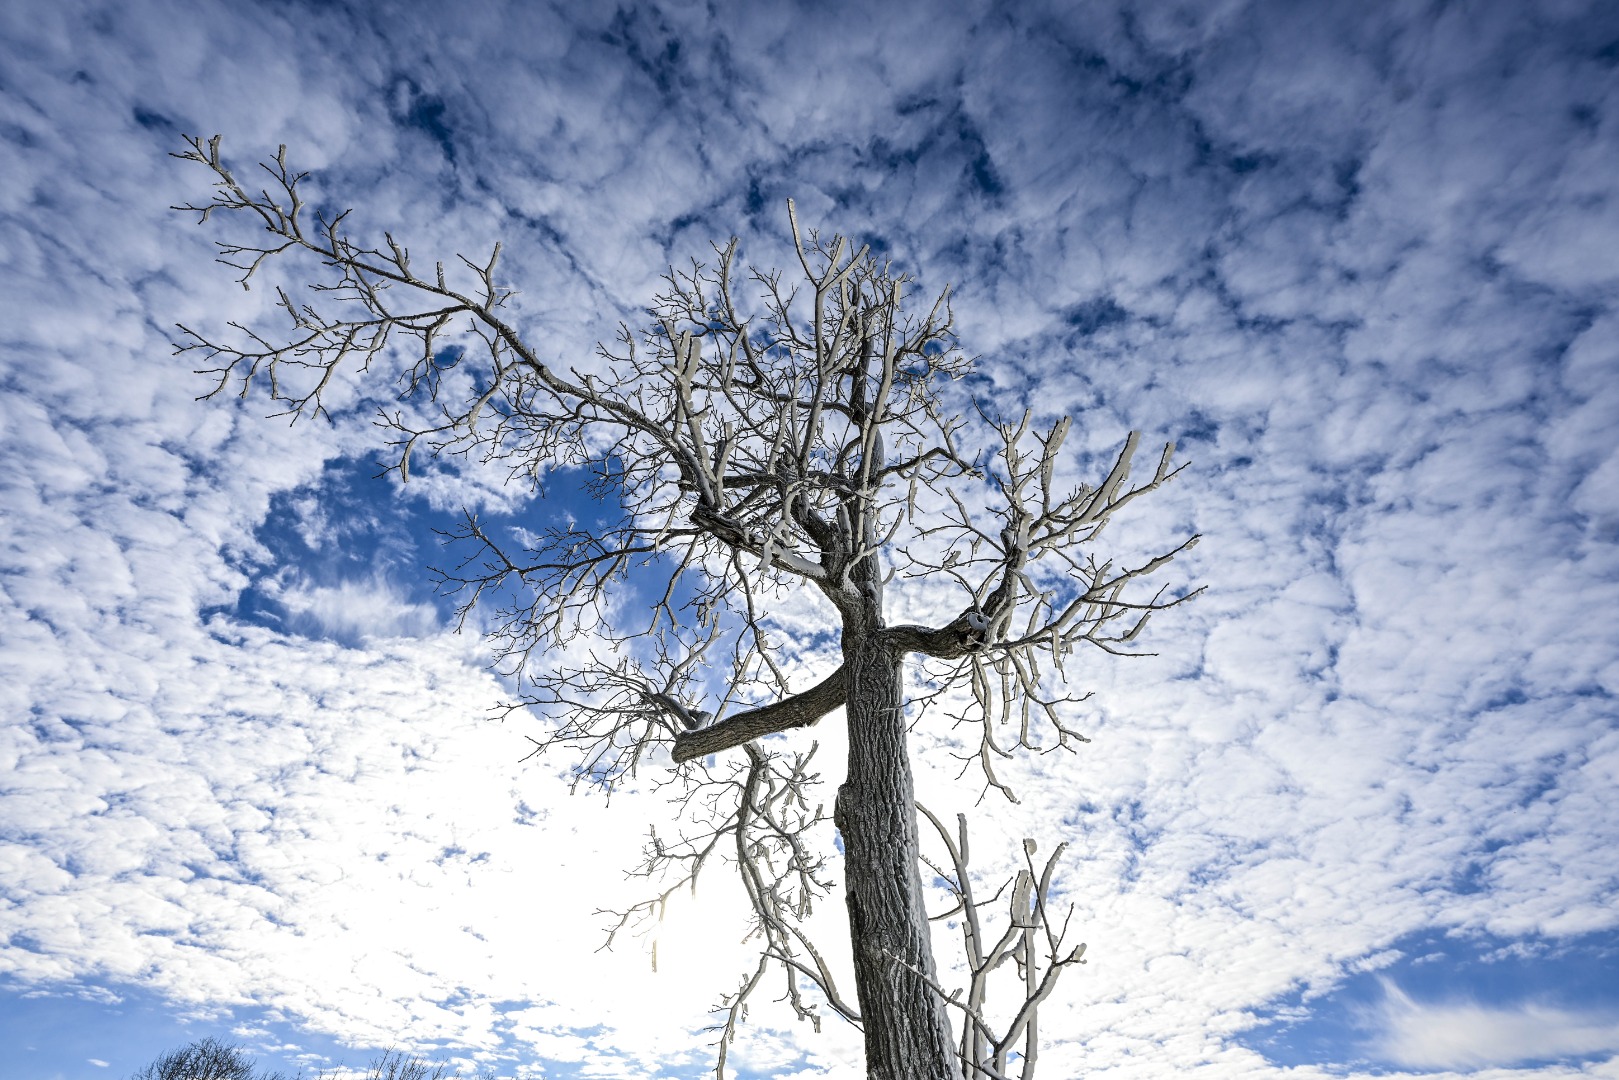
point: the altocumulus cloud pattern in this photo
(1356, 817)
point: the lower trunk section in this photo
(907, 1032)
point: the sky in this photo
(1353, 817)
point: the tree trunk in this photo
(907, 1032)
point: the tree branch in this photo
(962, 636)
(800, 710)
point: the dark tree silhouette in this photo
(211, 1059)
(764, 435)
(205, 1059)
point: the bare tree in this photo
(765, 435)
(205, 1059)
(210, 1059)
(395, 1065)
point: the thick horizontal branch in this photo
(800, 710)
(966, 633)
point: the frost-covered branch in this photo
(1037, 948)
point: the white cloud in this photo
(1467, 1035)
(354, 610)
(1357, 251)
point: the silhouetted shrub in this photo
(210, 1059)
(205, 1059)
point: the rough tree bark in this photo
(907, 1031)
(759, 452)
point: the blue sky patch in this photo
(1431, 1001)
